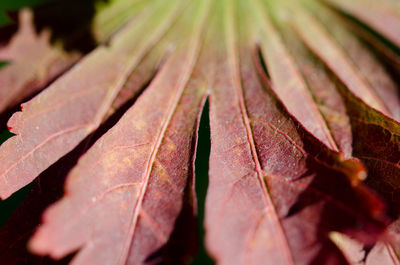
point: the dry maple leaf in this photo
(305, 140)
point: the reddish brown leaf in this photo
(133, 179)
(381, 49)
(376, 142)
(325, 94)
(15, 233)
(366, 62)
(48, 188)
(33, 62)
(138, 79)
(271, 198)
(82, 97)
(384, 15)
(287, 140)
(380, 254)
(321, 44)
(332, 100)
(374, 136)
(289, 85)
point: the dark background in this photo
(13, 5)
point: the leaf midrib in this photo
(194, 47)
(233, 60)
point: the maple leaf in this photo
(32, 63)
(303, 109)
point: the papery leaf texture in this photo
(301, 99)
